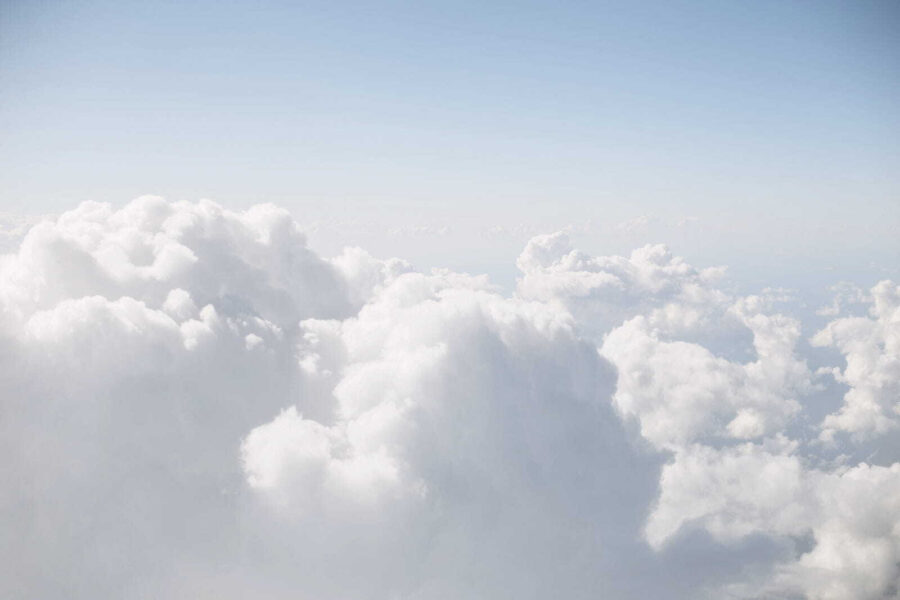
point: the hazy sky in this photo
(768, 130)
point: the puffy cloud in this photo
(197, 405)
(151, 247)
(850, 515)
(681, 391)
(682, 377)
(871, 348)
(488, 420)
(677, 341)
(138, 346)
(366, 275)
(604, 291)
(731, 492)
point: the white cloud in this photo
(670, 351)
(871, 348)
(197, 405)
(845, 294)
(486, 419)
(699, 405)
(851, 515)
(604, 291)
(681, 392)
(637, 225)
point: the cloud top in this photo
(198, 405)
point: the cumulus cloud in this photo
(485, 418)
(605, 290)
(680, 391)
(871, 348)
(850, 515)
(675, 340)
(198, 405)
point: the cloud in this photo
(637, 225)
(681, 392)
(682, 377)
(604, 291)
(139, 346)
(485, 418)
(850, 515)
(670, 332)
(871, 347)
(198, 405)
(845, 294)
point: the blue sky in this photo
(773, 124)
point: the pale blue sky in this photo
(775, 124)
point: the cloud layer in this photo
(197, 405)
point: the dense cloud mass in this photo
(196, 405)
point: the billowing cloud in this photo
(848, 516)
(603, 291)
(681, 391)
(195, 404)
(871, 348)
(724, 406)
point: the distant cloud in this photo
(844, 294)
(518, 230)
(198, 405)
(419, 231)
(636, 225)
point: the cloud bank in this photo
(195, 404)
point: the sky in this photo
(435, 301)
(415, 129)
